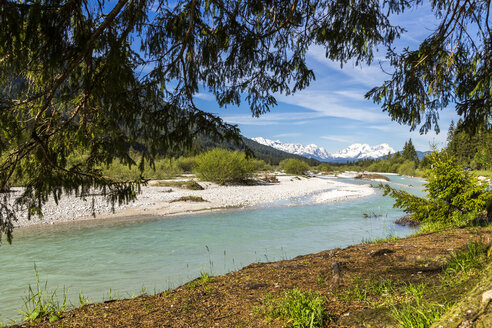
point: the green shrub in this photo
(454, 197)
(186, 163)
(407, 168)
(224, 166)
(294, 166)
(163, 169)
(324, 167)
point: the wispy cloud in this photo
(270, 118)
(338, 138)
(329, 105)
(369, 76)
(351, 94)
(284, 135)
(204, 96)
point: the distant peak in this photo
(353, 152)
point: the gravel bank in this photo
(161, 201)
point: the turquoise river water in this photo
(124, 258)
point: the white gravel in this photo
(157, 201)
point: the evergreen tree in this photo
(453, 196)
(450, 132)
(409, 152)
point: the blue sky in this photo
(332, 112)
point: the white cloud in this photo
(338, 138)
(270, 118)
(328, 105)
(352, 94)
(284, 135)
(369, 76)
(204, 96)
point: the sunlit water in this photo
(124, 258)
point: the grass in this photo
(201, 281)
(389, 237)
(189, 199)
(298, 309)
(465, 262)
(188, 184)
(41, 302)
(419, 315)
(483, 173)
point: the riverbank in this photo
(160, 201)
(374, 284)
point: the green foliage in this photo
(224, 166)
(473, 256)
(324, 167)
(453, 195)
(186, 164)
(430, 77)
(40, 302)
(294, 166)
(163, 169)
(301, 310)
(471, 150)
(407, 168)
(421, 315)
(204, 279)
(409, 153)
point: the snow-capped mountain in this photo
(351, 153)
(310, 151)
(362, 151)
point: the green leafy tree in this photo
(452, 194)
(101, 77)
(224, 166)
(295, 166)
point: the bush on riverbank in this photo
(294, 166)
(224, 166)
(454, 197)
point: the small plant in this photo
(384, 287)
(40, 302)
(201, 281)
(357, 291)
(472, 257)
(415, 292)
(371, 215)
(299, 309)
(83, 300)
(419, 315)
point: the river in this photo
(132, 256)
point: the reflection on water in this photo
(95, 257)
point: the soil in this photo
(237, 299)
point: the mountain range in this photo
(354, 152)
